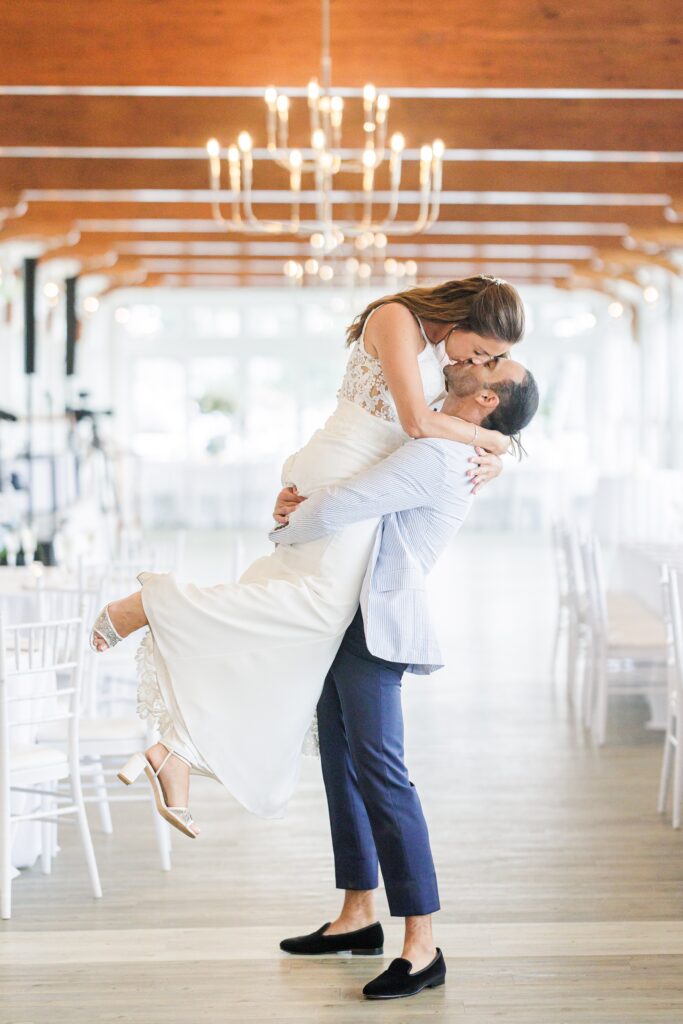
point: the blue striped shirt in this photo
(422, 494)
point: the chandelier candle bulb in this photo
(381, 119)
(369, 161)
(313, 94)
(234, 163)
(369, 94)
(282, 119)
(213, 149)
(336, 115)
(271, 98)
(425, 167)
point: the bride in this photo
(232, 673)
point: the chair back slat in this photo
(54, 649)
(676, 624)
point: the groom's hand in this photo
(287, 500)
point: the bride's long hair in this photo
(485, 305)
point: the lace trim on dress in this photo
(364, 385)
(311, 744)
(150, 701)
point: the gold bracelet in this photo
(475, 435)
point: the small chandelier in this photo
(325, 159)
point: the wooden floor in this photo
(561, 886)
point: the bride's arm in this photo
(391, 337)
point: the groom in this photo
(423, 493)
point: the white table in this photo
(18, 588)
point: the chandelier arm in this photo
(215, 186)
(219, 217)
(434, 211)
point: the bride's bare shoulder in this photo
(388, 321)
(394, 313)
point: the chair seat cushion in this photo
(93, 729)
(632, 623)
(25, 756)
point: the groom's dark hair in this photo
(517, 405)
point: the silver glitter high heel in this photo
(104, 628)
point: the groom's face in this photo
(466, 380)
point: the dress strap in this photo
(422, 330)
(361, 339)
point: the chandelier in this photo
(372, 159)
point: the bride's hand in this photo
(287, 500)
(493, 441)
(487, 467)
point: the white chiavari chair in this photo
(50, 652)
(107, 739)
(563, 598)
(627, 650)
(572, 614)
(672, 758)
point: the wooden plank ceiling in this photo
(564, 158)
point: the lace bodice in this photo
(364, 383)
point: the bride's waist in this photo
(351, 420)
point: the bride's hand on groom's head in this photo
(486, 467)
(287, 500)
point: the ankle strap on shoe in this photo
(172, 753)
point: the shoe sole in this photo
(337, 952)
(406, 995)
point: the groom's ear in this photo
(487, 399)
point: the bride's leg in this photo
(126, 615)
(174, 777)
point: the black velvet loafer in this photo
(367, 941)
(397, 982)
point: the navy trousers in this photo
(375, 812)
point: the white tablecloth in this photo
(18, 589)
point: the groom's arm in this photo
(410, 477)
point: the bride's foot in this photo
(125, 615)
(174, 778)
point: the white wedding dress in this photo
(232, 673)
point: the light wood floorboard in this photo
(561, 887)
